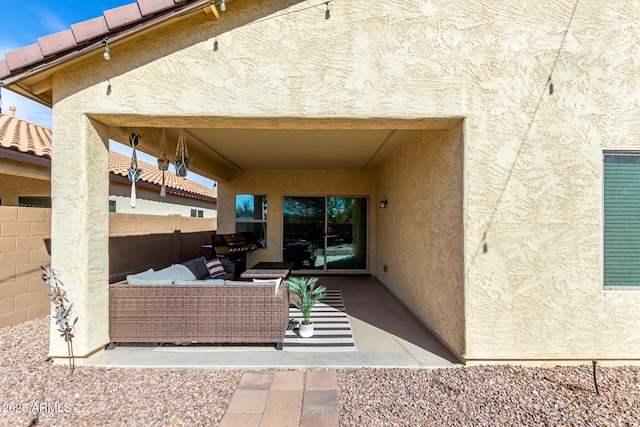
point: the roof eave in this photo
(46, 67)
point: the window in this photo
(251, 216)
(112, 205)
(34, 202)
(621, 220)
(197, 213)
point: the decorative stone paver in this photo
(285, 399)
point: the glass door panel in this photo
(304, 232)
(346, 233)
(325, 233)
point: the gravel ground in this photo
(478, 396)
(490, 396)
(101, 396)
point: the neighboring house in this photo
(414, 140)
(25, 171)
(183, 197)
(25, 162)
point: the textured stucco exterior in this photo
(420, 233)
(149, 202)
(12, 187)
(515, 250)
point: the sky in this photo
(22, 22)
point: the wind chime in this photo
(181, 161)
(133, 172)
(163, 161)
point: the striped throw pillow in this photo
(215, 268)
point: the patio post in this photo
(80, 227)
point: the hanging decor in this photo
(134, 171)
(163, 161)
(181, 161)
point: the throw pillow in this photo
(215, 268)
(198, 267)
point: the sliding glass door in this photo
(325, 233)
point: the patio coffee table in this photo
(268, 270)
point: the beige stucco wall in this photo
(149, 202)
(277, 184)
(533, 219)
(13, 186)
(532, 164)
(420, 232)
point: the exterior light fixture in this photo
(107, 53)
(383, 204)
(223, 6)
(327, 14)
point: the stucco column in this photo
(80, 227)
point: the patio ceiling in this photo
(220, 146)
(296, 149)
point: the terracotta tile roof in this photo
(119, 165)
(26, 137)
(90, 31)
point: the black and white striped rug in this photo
(332, 330)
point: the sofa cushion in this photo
(198, 267)
(273, 282)
(199, 282)
(175, 272)
(215, 268)
(166, 276)
(148, 277)
(144, 275)
(149, 281)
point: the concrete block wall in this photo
(25, 237)
(121, 224)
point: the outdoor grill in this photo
(233, 248)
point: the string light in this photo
(327, 14)
(107, 53)
(223, 6)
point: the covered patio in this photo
(386, 335)
(326, 124)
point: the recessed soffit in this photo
(281, 144)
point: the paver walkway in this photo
(284, 399)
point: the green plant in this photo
(178, 160)
(304, 288)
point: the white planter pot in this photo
(305, 331)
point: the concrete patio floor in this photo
(386, 334)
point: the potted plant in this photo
(182, 165)
(307, 296)
(133, 173)
(163, 164)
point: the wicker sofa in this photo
(202, 311)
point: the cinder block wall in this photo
(24, 240)
(24, 235)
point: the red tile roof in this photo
(90, 31)
(26, 137)
(119, 165)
